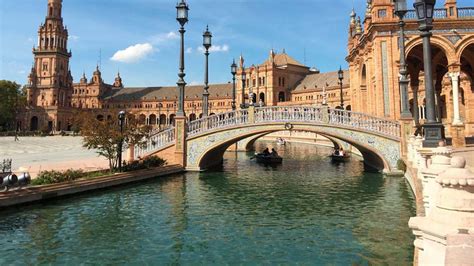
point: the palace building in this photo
(369, 86)
(374, 56)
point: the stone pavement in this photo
(48, 153)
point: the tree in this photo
(12, 99)
(105, 136)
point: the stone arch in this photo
(100, 117)
(363, 77)
(162, 119)
(463, 45)
(192, 117)
(142, 119)
(152, 119)
(379, 152)
(261, 97)
(441, 42)
(281, 96)
(171, 119)
(34, 123)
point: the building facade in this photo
(374, 57)
(53, 98)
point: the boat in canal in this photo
(340, 158)
(268, 159)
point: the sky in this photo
(140, 38)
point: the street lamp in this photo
(121, 118)
(207, 43)
(233, 70)
(400, 11)
(182, 17)
(244, 79)
(340, 75)
(432, 128)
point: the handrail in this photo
(217, 121)
(283, 114)
(439, 13)
(155, 142)
(465, 12)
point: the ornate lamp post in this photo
(182, 17)
(433, 129)
(340, 75)
(244, 79)
(207, 43)
(121, 118)
(233, 70)
(400, 11)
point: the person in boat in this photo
(341, 152)
(274, 153)
(266, 152)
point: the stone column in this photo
(131, 153)
(180, 144)
(445, 236)
(251, 113)
(455, 84)
(440, 161)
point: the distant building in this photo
(53, 98)
(369, 86)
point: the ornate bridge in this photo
(206, 139)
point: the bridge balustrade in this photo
(156, 141)
(466, 12)
(217, 121)
(286, 114)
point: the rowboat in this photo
(268, 159)
(340, 158)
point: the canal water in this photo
(308, 210)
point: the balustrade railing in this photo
(288, 114)
(364, 122)
(155, 142)
(466, 12)
(217, 121)
(439, 13)
(285, 114)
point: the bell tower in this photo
(51, 83)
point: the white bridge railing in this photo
(155, 142)
(218, 121)
(286, 114)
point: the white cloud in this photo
(163, 37)
(133, 53)
(194, 83)
(74, 37)
(189, 50)
(216, 48)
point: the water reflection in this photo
(306, 210)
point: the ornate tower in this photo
(50, 83)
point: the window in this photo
(263, 81)
(45, 66)
(382, 13)
(283, 82)
(451, 11)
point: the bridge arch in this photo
(207, 139)
(207, 151)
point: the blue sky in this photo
(317, 28)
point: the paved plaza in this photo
(47, 153)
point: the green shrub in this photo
(150, 162)
(54, 177)
(401, 165)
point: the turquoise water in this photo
(306, 211)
